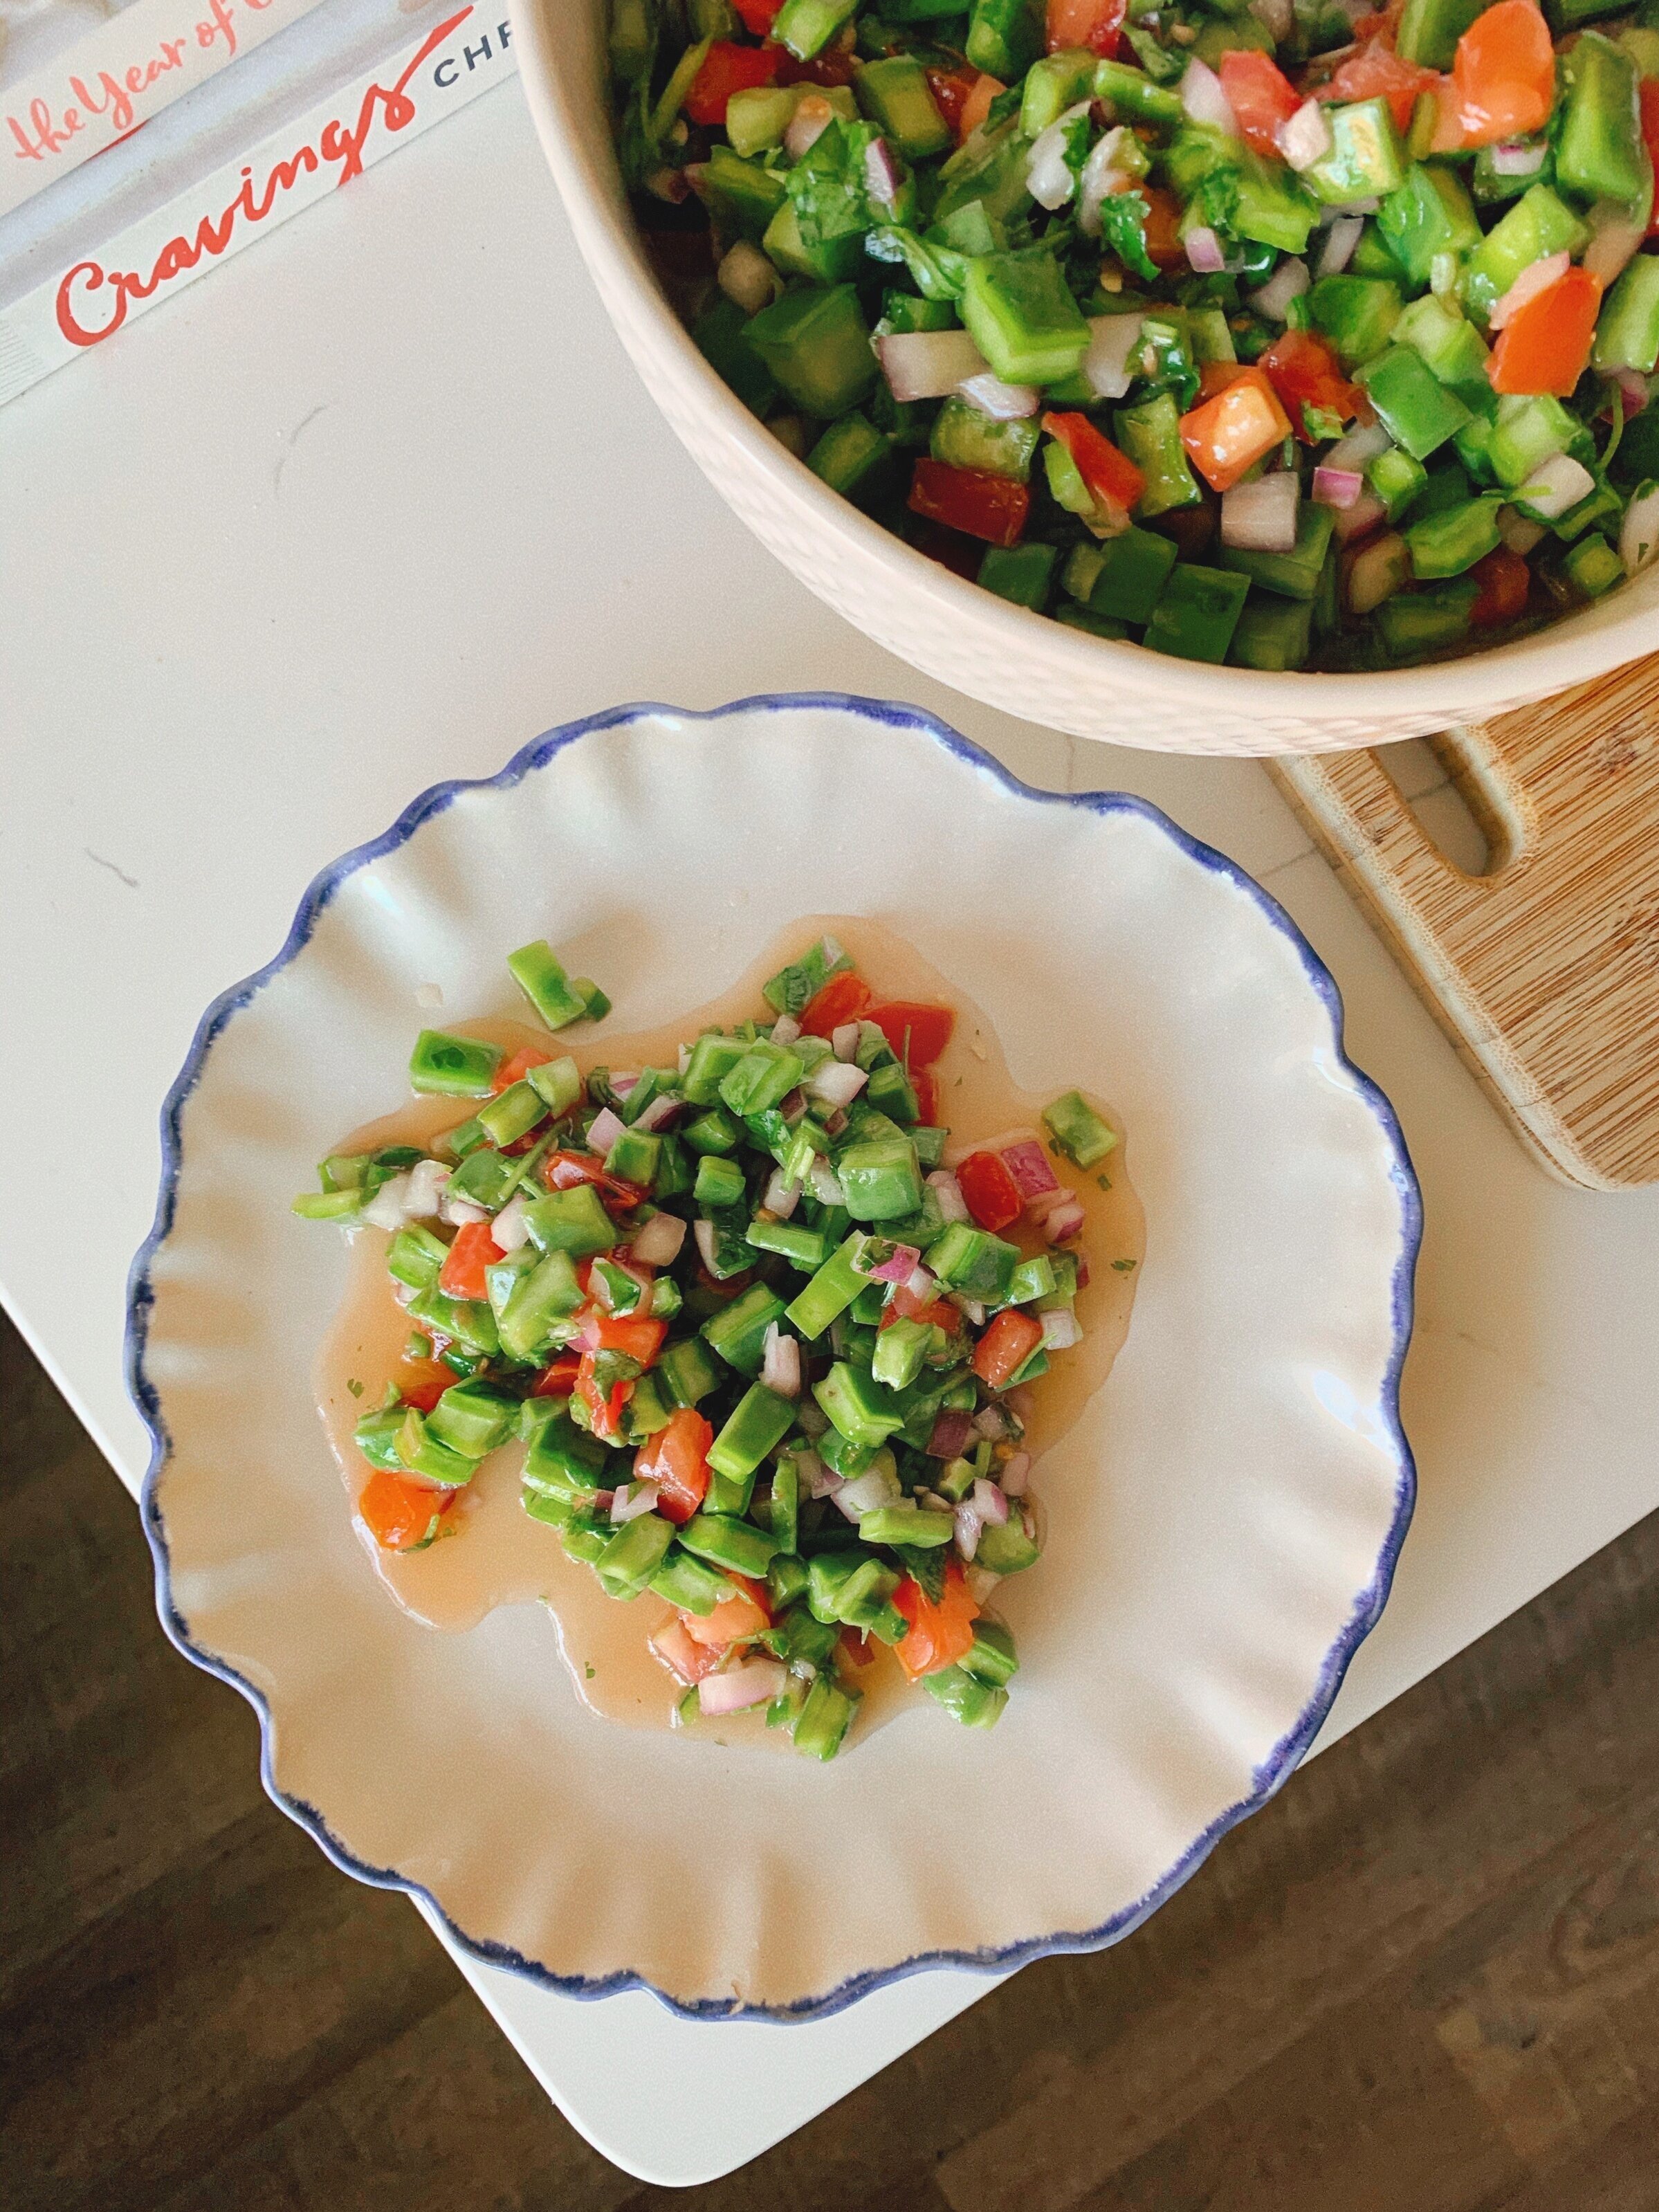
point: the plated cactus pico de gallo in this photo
(770, 1340)
(1288, 333)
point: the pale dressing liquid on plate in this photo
(492, 1553)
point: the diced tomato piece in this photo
(558, 1378)
(843, 1000)
(676, 1459)
(1261, 95)
(973, 501)
(515, 1069)
(1377, 72)
(992, 1194)
(422, 1383)
(745, 1613)
(1546, 345)
(1648, 94)
(926, 1086)
(916, 1032)
(1228, 435)
(758, 16)
(400, 1514)
(1096, 24)
(1505, 581)
(940, 1632)
(1504, 75)
(729, 67)
(975, 107)
(640, 1339)
(564, 1171)
(462, 1275)
(1305, 372)
(604, 1413)
(1005, 1346)
(1111, 476)
(856, 1647)
(690, 1660)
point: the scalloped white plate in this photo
(1224, 1521)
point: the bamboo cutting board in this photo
(1544, 970)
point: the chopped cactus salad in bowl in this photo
(767, 1331)
(1286, 335)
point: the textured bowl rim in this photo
(1272, 1773)
(1465, 689)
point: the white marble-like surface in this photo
(372, 506)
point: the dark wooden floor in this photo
(1425, 1979)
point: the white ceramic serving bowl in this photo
(1021, 662)
(1223, 1521)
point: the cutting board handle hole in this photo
(1457, 790)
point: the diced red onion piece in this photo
(1083, 1271)
(1519, 531)
(1615, 234)
(1204, 253)
(780, 1363)
(821, 1482)
(670, 186)
(1002, 403)
(1356, 521)
(1059, 1329)
(1306, 138)
(708, 1238)
(1339, 241)
(988, 1501)
(1633, 391)
(1261, 517)
(404, 1293)
(629, 1500)
(1063, 1221)
(826, 1183)
(982, 1585)
(622, 1080)
(1336, 487)
(922, 1285)
(1204, 100)
(1288, 282)
(1638, 534)
(1378, 572)
(812, 118)
(734, 1689)
(660, 1114)
(952, 1432)
(458, 1211)
(1537, 277)
(1359, 448)
(606, 1127)
(425, 1195)
(929, 364)
(1040, 1206)
(898, 1267)
(948, 1191)
(1518, 157)
(658, 1243)
(1112, 339)
(1028, 1165)
(971, 1309)
(509, 1229)
(1047, 174)
(882, 179)
(785, 1030)
(1015, 1473)
(747, 277)
(844, 1041)
(386, 1208)
(1555, 485)
(1104, 175)
(836, 1082)
(1276, 17)
(991, 1421)
(780, 1196)
(968, 1527)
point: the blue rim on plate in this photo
(1286, 1754)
